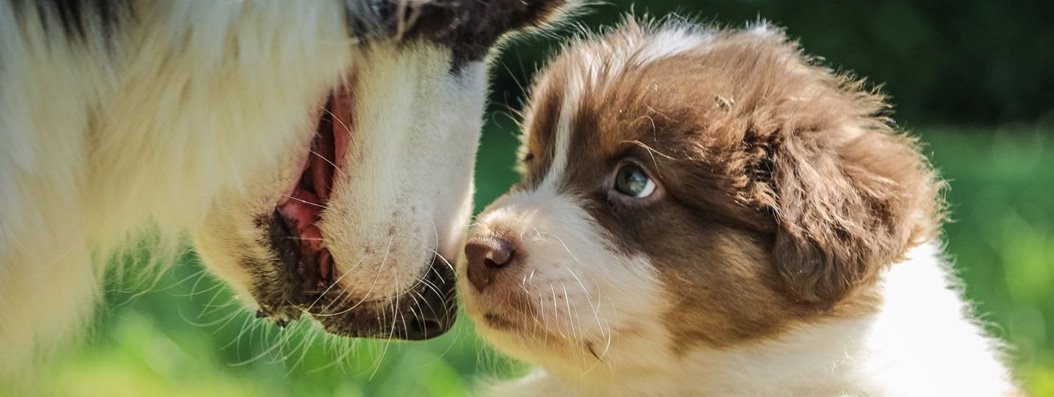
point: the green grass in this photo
(185, 337)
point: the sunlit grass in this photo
(187, 337)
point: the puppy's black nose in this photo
(487, 256)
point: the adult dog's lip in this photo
(424, 311)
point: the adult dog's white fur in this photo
(195, 119)
(591, 296)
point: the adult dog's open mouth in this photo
(311, 266)
(308, 279)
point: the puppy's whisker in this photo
(556, 311)
(572, 315)
(561, 241)
(523, 285)
(595, 308)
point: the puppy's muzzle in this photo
(488, 256)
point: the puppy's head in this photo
(690, 187)
(358, 227)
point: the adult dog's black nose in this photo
(487, 256)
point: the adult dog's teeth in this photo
(325, 267)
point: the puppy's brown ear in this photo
(851, 197)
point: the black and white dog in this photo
(320, 153)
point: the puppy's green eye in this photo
(632, 181)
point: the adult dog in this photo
(319, 153)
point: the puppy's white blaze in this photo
(572, 99)
(389, 208)
(582, 291)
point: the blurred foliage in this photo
(1001, 237)
(942, 61)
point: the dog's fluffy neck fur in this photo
(876, 354)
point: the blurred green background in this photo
(975, 79)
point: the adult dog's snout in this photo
(487, 256)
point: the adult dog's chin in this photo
(361, 225)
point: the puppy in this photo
(319, 153)
(711, 212)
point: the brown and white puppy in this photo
(710, 212)
(320, 153)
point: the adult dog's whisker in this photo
(297, 199)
